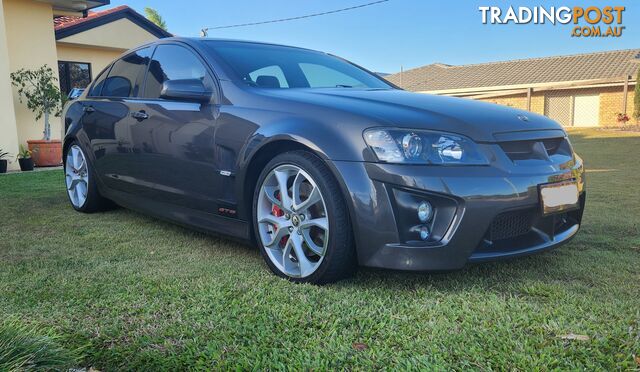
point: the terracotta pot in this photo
(26, 164)
(46, 153)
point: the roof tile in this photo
(62, 22)
(601, 65)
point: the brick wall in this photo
(537, 103)
(610, 102)
(518, 101)
(630, 106)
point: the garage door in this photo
(557, 106)
(586, 109)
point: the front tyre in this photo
(80, 181)
(301, 222)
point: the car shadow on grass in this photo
(488, 276)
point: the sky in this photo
(395, 34)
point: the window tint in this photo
(126, 75)
(97, 86)
(271, 73)
(172, 62)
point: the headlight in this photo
(423, 147)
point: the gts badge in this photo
(228, 212)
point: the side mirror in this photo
(185, 90)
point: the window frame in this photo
(68, 74)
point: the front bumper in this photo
(480, 197)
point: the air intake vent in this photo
(511, 224)
(536, 149)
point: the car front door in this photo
(173, 139)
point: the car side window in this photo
(97, 86)
(173, 62)
(127, 74)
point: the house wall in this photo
(98, 57)
(8, 131)
(518, 101)
(611, 104)
(31, 44)
(121, 34)
(610, 101)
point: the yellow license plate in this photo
(559, 197)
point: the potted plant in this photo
(25, 160)
(3, 161)
(39, 89)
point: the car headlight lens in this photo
(423, 147)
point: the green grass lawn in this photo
(137, 293)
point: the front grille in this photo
(552, 145)
(532, 149)
(511, 224)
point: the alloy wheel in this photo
(77, 176)
(293, 224)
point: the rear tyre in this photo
(80, 181)
(301, 222)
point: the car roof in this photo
(199, 40)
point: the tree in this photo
(155, 17)
(636, 104)
(40, 90)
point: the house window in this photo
(74, 75)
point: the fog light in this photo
(425, 210)
(424, 233)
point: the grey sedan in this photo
(321, 163)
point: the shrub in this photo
(39, 88)
(23, 349)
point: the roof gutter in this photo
(76, 5)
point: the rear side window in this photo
(173, 62)
(97, 86)
(127, 75)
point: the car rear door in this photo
(107, 120)
(174, 139)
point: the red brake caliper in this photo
(276, 211)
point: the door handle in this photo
(89, 109)
(140, 115)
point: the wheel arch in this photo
(65, 146)
(268, 151)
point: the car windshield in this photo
(272, 66)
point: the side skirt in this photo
(201, 221)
